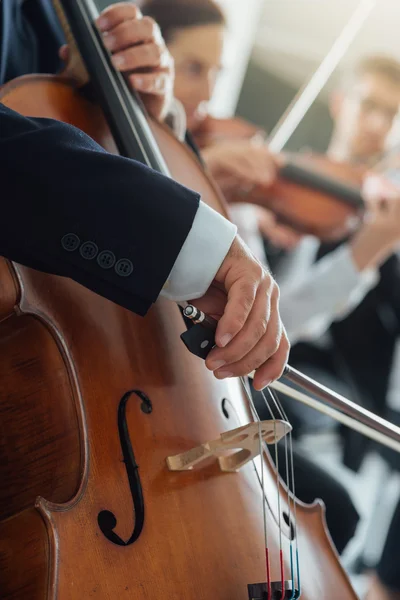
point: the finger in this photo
(262, 161)
(240, 167)
(375, 187)
(260, 158)
(212, 303)
(241, 297)
(266, 346)
(150, 83)
(273, 368)
(145, 56)
(131, 33)
(254, 166)
(116, 14)
(268, 172)
(248, 338)
(258, 356)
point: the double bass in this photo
(98, 406)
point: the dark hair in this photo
(172, 15)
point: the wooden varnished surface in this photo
(68, 357)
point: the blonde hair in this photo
(384, 65)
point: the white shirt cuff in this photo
(201, 256)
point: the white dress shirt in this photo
(313, 294)
(201, 255)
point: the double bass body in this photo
(76, 449)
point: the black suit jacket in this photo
(68, 207)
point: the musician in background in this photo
(194, 33)
(358, 349)
(363, 109)
(363, 349)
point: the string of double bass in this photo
(291, 495)
(290, 484)
(198, 317)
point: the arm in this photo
(56, 181)
(312, 296)
(332, 287)
(322, 292)
(61, 190)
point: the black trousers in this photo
(313, 482)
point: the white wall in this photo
(295, 35)
(243, 22)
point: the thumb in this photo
(239, 280)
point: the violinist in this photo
(374, 103)
(195, 33)
(158, 226)
(358, 349)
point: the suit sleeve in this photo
(69, 208)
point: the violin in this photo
(312, 194)
(106, 417)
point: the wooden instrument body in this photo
(306, 208)
(68, 357)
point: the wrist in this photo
(369, 249)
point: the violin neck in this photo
(122, 107)
(308, 177)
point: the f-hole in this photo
(106, 519)
(289, 523)
(224, 408)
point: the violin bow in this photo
(337, 407)
(307, 94)
(200, 339)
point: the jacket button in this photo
(124, 267)
(70, 242)
(106, 259)
(88, 250)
